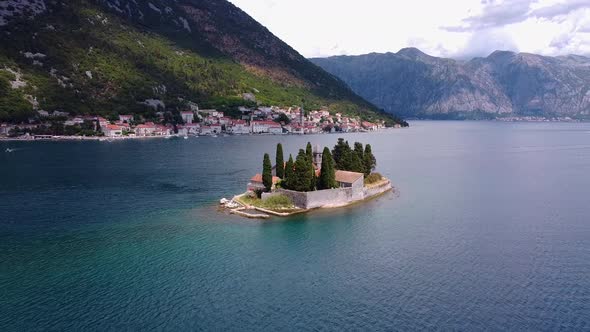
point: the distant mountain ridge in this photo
(414, 84)
(101, 56)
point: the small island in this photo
(314, 179)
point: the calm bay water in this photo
(489, 230)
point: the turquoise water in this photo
(489, 230)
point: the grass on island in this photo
(278, 203)
(373, 178)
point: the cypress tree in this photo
(280, 161)
(369, 160)
(327, 178)
(302, 179)
(338, 152)
(313, 180)
(356, 163)
(358, 149)
(309, 152)
(288, 173)
(267, 172)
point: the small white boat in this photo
(214, 136)
(185, 137)
(9, 150)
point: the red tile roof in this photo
(258, 178)
(348, 177)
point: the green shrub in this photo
(277, 202)
(373, 178)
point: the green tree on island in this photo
(356, 163)
(302, 177)
(309, 152)
(280, 162)
(369, 160)
(358, 149)
(327, 178)
(288, 173)
(340, 153)
(267, 172)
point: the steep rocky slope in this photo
(415, 84)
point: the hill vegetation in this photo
(137, 57)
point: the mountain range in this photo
(504, 84)
(133, 56)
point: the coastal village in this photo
(316, 178)
(190, 122)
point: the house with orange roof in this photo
(112, 130)
(257, 184)
(146, 129)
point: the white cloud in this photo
(456, 28)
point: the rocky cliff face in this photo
(412, 83)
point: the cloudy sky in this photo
(457, 28)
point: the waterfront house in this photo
(297, 129)
(224, 120)
(187, 116)
(206, 130)
(182, 130)
(275, 129)
(211, 120)
(256, 182)
(192, 128)
(239, 127)
(112, 130)
(369, 126)
(216, 128)
(259, 127)
(162, 130)
(146, 129)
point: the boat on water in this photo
(9, 150)
(185, 137)
(214, 136)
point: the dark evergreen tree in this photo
(280, 161)
(313, 181)
(288, 173)
(309, 152)
(370, 162)
(327, 178)
(301, 179)
(358, 149)
(267, 172)
(338, 152)
(356, 163)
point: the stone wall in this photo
(320, 198)
(377, 190)
(331, 197)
